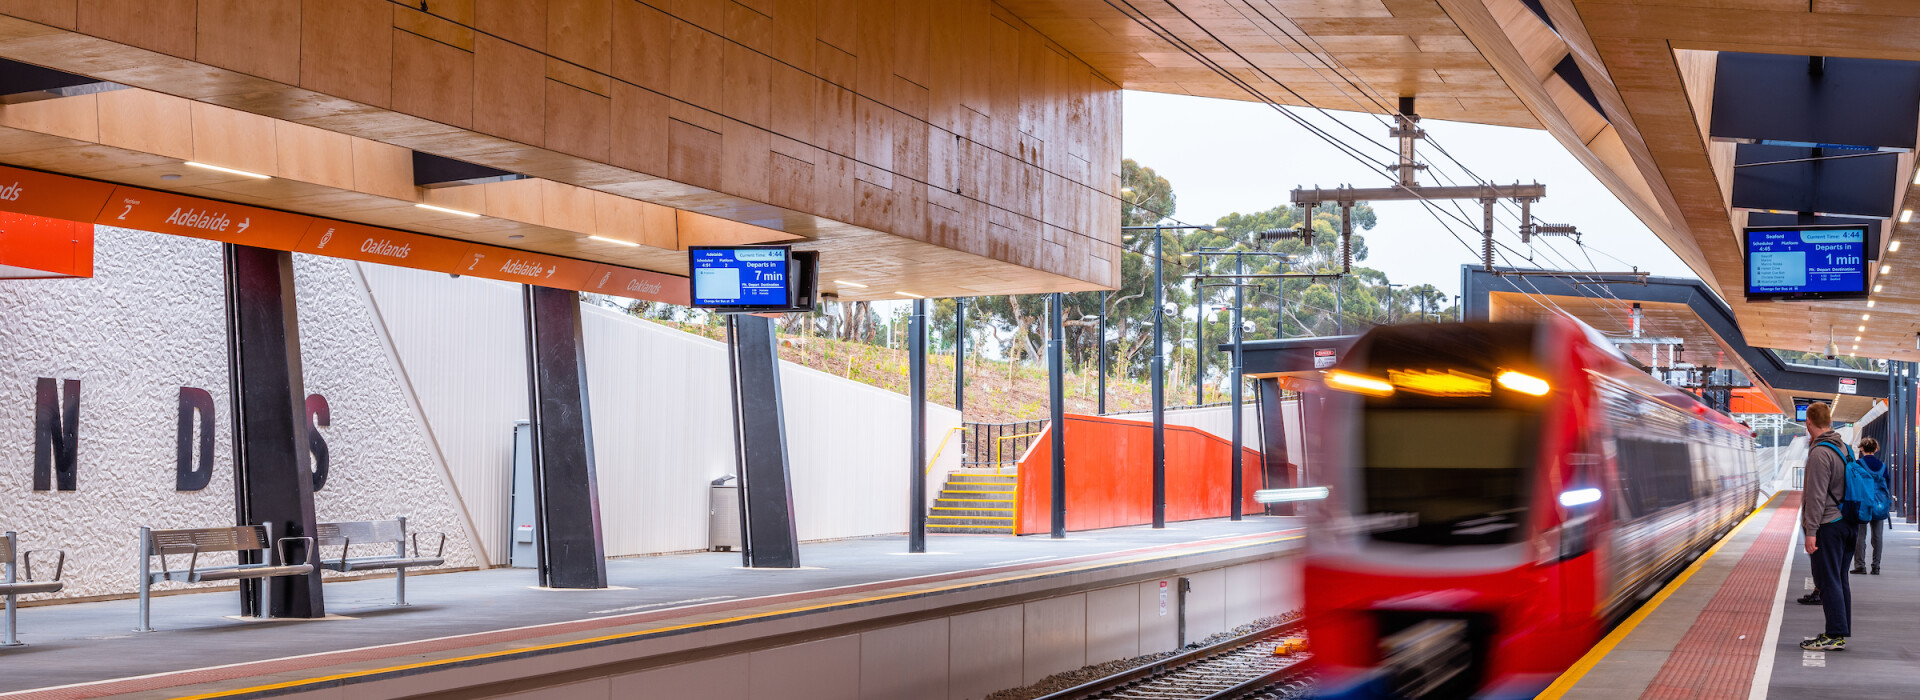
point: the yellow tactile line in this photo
(740, 618)
(1579, 670)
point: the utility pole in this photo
(1158, 364)
(1199, 344)
(1390, 302)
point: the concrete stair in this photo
(974, 502)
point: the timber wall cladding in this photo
(949, 122)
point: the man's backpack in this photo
(1863, 502)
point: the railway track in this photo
(1235, 669)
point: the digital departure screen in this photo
(745, 278)
(1807, 262)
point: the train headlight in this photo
(1523, 383)
(1359, 383)
(1576, 497)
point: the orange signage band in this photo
(72, 199)
(340, 239)
(53, 196)
(57, 247)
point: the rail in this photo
(943, 447)
(983, 445)
(1190, 669)
(1000, 455)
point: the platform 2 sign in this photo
(1808, 262)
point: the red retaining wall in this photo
(1110, 475)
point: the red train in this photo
(1501, 495)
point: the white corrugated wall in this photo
(662, 426)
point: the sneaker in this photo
(1858, 570)
(1876, 571)
(1809, 599)
(1825, 643)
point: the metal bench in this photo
(245, 538)
(20, 581)
(348, 535)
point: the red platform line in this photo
(1712, 659)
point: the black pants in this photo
(1833, 550)
(1860, 543)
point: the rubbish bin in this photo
(723, 515)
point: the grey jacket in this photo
(1826, 483)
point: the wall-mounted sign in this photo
(1324, 358)
(741, 278)
(164, 212)
(1849, 385)
(1807, 262)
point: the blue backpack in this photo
(1863, 502)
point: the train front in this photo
(1436, 566)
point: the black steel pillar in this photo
(768, 536)
(1057, 401)
(272, 475)
(566, 497)
(1101, 342)
(1159, 370)
(1233, 375)
(917, 425)
(960, 356)
(1273, 442)
(1199, 343)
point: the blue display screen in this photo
(740, 277)
(1812, 261)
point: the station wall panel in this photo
(1110, 466)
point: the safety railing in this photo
(997, 446)
(942, 448)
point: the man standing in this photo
(1830, 536)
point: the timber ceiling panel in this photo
(1356, 55)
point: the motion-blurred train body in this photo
(1500, 495)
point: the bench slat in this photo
(210, 539)
(358, 533)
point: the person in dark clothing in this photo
(1830, 536)
(1868, 449)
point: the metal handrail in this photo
(999, 460)
(941, 448)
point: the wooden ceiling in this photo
(1355, 55)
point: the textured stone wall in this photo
(150, 321)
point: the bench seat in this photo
(27, 587)
(379, 563)
(232, 573)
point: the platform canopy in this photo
(1684, 109)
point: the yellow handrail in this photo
(998, 460)
(942, 447)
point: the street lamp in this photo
(1390, 287)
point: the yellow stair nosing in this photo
(973, 517)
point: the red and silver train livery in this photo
(1500, 495)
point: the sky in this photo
(1226, 156)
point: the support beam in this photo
(1239, 471)
(1159, 373)
(571, 552)
(1057, 402)
(273, 479)
(917, 427)
(1273, 442)
(1101, 343)
(960, 357)
(769, 538)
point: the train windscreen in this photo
(1447, 452)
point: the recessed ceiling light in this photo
(170, 176)
(855, 285)
(1884, 269)
(1869, 303)
(1866, 317)
(445, 210)
(1894, 246)
(1856, 339)
(1876, 288)
(1906, 216)
(515, 237)
(615, 241)
(229, 171)
(910, 294)
(1862, 329)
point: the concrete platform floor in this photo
(1882, 659)
(90, 642)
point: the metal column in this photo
(1239, 471)
(1159, 371)
(1101, 343)
(960, 356)
(1273, 442)
(1057, 402)
(566, 497)
(917, 425)
(769, 539)
(1199, 342)
(273, 479)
